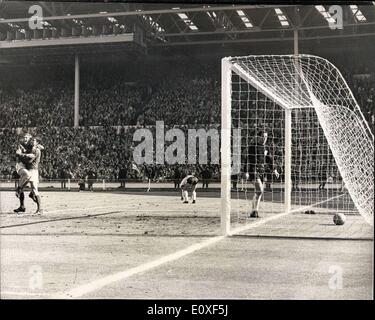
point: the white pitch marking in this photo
(100, 283)
(83, 209)
(124, 209)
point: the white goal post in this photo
(304, 106)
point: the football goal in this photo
(293, 139)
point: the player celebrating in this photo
(260, 165)
(189, 182)
(29, 158)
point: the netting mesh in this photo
(332, 146)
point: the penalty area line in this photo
(92, 286)
(102, 282)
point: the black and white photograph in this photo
(187, 151)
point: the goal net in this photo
(294, 143)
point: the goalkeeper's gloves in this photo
(277, 174)
(265, 136)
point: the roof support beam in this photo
(140, 12)
(265, 18)
(263, 40)
(257, 30)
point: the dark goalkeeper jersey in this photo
(259, 161)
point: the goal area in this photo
(293, 140)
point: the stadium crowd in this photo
(194, 100)
(35, 107)
(193, 95)
(111, 108)
(72, 152)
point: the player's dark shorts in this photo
(254, 176)
(269, 176)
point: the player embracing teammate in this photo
(28, 158)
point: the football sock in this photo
(22, 199)
(194, 195)
(38, 202)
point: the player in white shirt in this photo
(189, 182)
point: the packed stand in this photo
(103, 150)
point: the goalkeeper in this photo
(260, 165)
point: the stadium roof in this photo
(192, 25)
